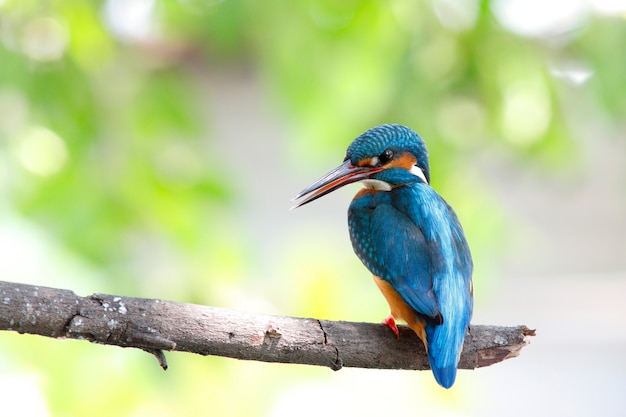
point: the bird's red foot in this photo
(391, 323)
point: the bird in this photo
(409, 238)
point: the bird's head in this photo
(382, 158)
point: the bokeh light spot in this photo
(526, 114)
(42, 151)
(540, 18)
(456, 15)
(130, 20)
(573, 73)
(44, 39)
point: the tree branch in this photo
(158, 325)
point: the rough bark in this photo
(158, 325)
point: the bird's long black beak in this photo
(344, 174)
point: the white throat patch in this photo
(376, 185)
(417, 171)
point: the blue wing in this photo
(392, 247)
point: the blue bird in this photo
(409, 238)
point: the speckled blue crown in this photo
(389, 136)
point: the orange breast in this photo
(401, 310)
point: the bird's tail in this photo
(445, 343)
(444, 348)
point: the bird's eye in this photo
(385, 157)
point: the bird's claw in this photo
(391, 323)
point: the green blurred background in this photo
(150, 148)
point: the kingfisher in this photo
(409, 238)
